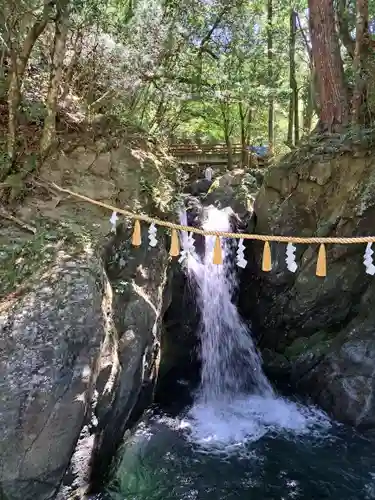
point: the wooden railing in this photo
(183, 149)
(210, 153)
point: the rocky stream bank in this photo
(89, 325)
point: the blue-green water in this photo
(252, 449)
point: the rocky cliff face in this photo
(319, 333)
(51, 336)
(138, 277)
(80, 347)
(80, 317)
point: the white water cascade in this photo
(231, 365)
(235, 402)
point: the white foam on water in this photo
(370, 488)
(235, 404)
(223, 427)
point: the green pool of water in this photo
(250, 449)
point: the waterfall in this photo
(235, 402)
(231, 364)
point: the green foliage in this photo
(192, 70)
(212, 58)
(34, 111)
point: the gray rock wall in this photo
(50, 339)
(79, 357)
(320, 332)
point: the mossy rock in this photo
(276, 364)
(24, 260)
(317, 344)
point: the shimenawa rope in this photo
(321, 266)
(223, 234)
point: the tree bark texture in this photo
(245, 124)
(59, 46)
(359, 62)
(271, 111)
(332, 91)
(308, 106)
(227, 129)
(19, 58)
(293, 122)
(243, 133)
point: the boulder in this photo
(51, 333)
(80, 313)
(80, 334)
(199, 187)
(324, 328)
(138, 277)
(115, 167)
(235, 189)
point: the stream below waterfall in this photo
(176, 458)
(234, 437)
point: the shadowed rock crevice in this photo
(80, 327)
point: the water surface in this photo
(218, 454)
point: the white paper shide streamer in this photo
(188, 248)
(290, 260)
(240, 258)
(368, 260)
(113, 220)
(152, 240)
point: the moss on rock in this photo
(317, 344)
(24, 260)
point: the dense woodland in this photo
(248, 72)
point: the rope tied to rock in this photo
(217, 257)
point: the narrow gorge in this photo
(187, 267)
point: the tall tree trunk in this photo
(69, 74)
(332, 91)
(270, 75)
(243, 133)
(159, 114)
(343, 26)
(293, 100)
(19, 58)
(296, 118)
(228, 142)
(249, 121)
(227, 133)
(308, 106)
(61, 32)
(360, 54)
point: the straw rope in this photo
(223, 234)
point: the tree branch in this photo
(34, 33)
(343, 27)
(209, 51)
(302, 31)
(218, 20)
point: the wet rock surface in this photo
(79, 327)
(138, 280)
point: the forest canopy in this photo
(248, 72)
